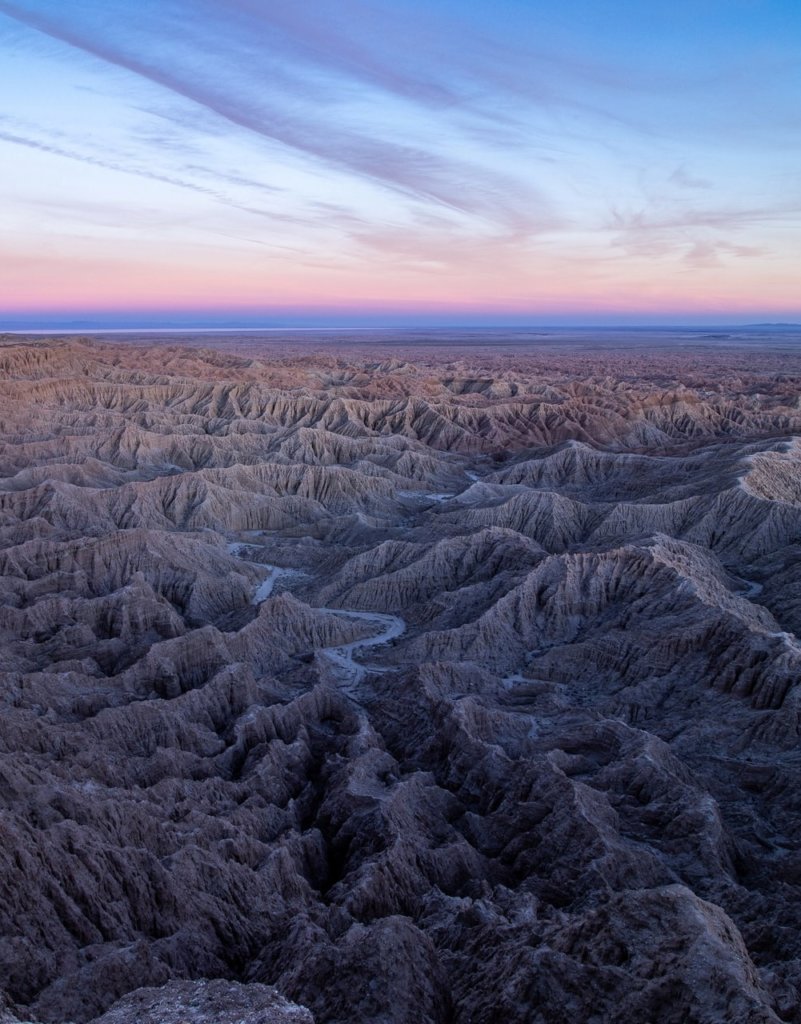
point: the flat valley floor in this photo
(401, 678)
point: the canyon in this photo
(400, 679)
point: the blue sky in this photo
(368, 162)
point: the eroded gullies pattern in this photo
(419, 687)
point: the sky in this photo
(390, 162)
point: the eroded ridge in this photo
(410, 685)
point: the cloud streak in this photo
(42, 146)
(411, 170)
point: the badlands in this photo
(400, 680)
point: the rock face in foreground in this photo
(201, 1002)
(422, 689)
(205, 1002)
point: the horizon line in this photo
(68, 328)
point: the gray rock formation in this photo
(200, 1002)
(402, 688)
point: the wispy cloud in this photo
(726, 218)
(683, 179)
(333, 39)
(696, 236)
(45, 146)
(702, 255)
(410, 169)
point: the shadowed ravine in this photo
(399, 685)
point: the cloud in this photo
(118, 166)
(232, 178)
(214, 84)
(697, 236)
(684, 179)
(333, 39)
(87, 158)
(704, 254)
(726, 218)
